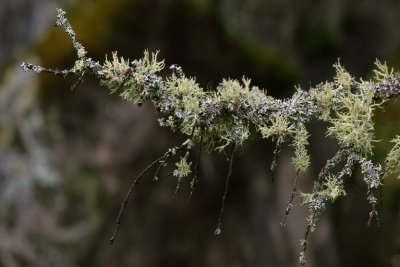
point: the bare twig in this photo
(289, 204)
(137, 179)
(274, 164)
(125, 201)
(79, 81)
(178, 185)
(231, 156)
(194, 181)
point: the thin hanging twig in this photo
(178, 185)
(274, 164)
(160, 165)
(125, 201)
(195, 179)
(231, 156)
(79, 81)
(289, 204)
(304, 244)
(372, 214)
(137, 179)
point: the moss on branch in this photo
(236, 110)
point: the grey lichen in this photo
(236, 110)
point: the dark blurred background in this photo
(66, 159)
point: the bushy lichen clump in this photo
(236, 110)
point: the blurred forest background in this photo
(66, 158)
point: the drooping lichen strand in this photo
(301, 159)
(236, 111)
(393, 158)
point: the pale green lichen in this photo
(301, 159)
(184, 94)
(232, 92)
(79, 65)
(333, 188)
(325, 191)
(112, 72)
(279, 129)
(343, 79)
(81, 52)
(324, 97)
(149, 64)
(353, 125)
(183, 168)
(382, 71)
(393, 157)
(330, 189)
(136, 89)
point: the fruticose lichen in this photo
(236, 110)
